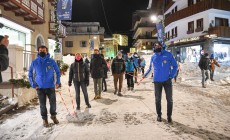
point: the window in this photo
(176, 9)
(83, 43)
(68, 43)
(221, 22)
(199, 25)
(175, 31)
(172, 33)
(190, 27)
(190, 2)
(198, 1)
(168, 35)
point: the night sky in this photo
(118, 13)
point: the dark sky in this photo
(118, 12)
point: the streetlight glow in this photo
(153, 18)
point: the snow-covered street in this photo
(198, 113)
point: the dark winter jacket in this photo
(106, 69)
(165, 66)
(204, 63)
(130, 66)
(4, 60)
(118, 66)
(79, 71)
(41, 72)
(97, 66)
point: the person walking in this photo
(4, 59)
(118, 69)
(129, 71)
(178, 70)
(204, 65)
(212, 69)
(136, 59)
(41, 77)
(142, 65)
(165, 68)
(79, 74)
(97, 65)
(104, 85)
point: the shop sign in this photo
(187, 40)
(58, 56)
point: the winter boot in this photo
(45, 123)
(128, 88)
(88, 106)
(119, 94)
(115, 92)
(78, 107)
(159, 118)
(132, 88)
(169, 119)
(55, 120)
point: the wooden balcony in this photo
(30, 10)
(220, 31)
(197, 8)
(62, 29)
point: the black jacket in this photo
(4, 60)
(79, 71)
(204, 63)
(118, 66)
(97, 66)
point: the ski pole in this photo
(72, 101)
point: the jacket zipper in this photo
(78, 73)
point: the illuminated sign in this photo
(187, 40)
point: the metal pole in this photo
(163, 20)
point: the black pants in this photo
(83, 86)
(50, 93)
(158, 94)
(104, 84)
(143, 70)
(129, 78)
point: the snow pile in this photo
(68, 59)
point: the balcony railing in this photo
(145, 37)
(197, 8)
(220, 31)
(142, 25)
(31, 10)
(62, 30)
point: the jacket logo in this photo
(165, 61)
(49, 67)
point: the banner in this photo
(160, 32)
(64, 9)
(91, 44)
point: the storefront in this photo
(221, 51)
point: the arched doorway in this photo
(39, 41)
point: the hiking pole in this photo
(72, 101)
(64, 103)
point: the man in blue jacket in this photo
(41, 77)
(165, 68)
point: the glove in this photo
(87, 83)
(70, 84)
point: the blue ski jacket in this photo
(165, 66)
(41, 72)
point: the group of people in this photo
(207, 64)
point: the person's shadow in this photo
(197, 132)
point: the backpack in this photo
(129, 66)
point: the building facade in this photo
(195, 25)
(144, 32)
(82, 37)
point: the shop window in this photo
(199, 25)
(83, 43)
(190, 27)
(190, 2)
(221, 22)
(68, 43)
